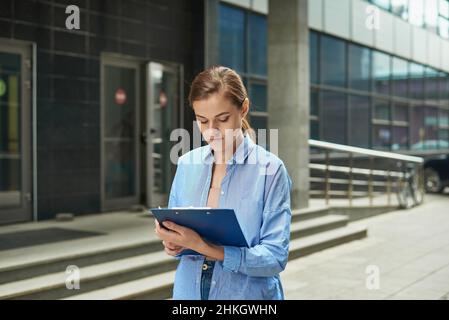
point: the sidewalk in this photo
(410, 248)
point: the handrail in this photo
(367, 152)
(397, 178)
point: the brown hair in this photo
(217, 78)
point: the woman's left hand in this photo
(180, 235)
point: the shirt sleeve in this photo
(173, 197)
(270, 256)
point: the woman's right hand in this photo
(171, 248)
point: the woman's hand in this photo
(171, 248)
(178, 238)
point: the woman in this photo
(224, 174)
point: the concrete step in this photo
(137, 270)
(309, 213)
(304, 246)
(49, 263)
(160, 286)
(99, 275)
(300, 229)
(52, 286)
(86, 257)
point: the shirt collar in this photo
(240, 154)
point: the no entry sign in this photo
(120, 96)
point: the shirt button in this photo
(222, 192)
(213, 282)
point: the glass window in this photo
(400, 8)
(417, 128)
(443, 27)
(359, 68)
(400, 138)
(257, 47)
(232, 37)
(416, 81)
(258, 97)
(432, 85)
(11, 106)
(443, 119)
(314, 103)
(314, 129)
(443, 139)
(381, 72)
(382, 110)
(431, 124)
(399, 78)
(384, 4)
(313, 51)
(400, 75)
(258, 122)
(120, 132)
(443, 132)
(333, 61)
(444, 88)
(381, 137)
(400, 112)
(416, 11)
(444, 8)
(359, 121)
(431, 15)
(333, 117)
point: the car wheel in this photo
(432, 181)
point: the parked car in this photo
(436, 173)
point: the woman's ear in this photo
(245, 107)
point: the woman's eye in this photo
(224, 120)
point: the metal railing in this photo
(333, 173)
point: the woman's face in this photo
(219, 120)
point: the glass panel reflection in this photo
(120, 126)
(10, 130)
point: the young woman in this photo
(226, 173)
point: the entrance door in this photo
(119, 146)
(163, 114)
(15, 127)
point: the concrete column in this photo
(211, 32)
(288, 90)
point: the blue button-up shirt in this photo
(257, 186)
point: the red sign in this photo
(163, 99)
(120, 96)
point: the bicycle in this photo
(409, 188)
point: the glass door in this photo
(15, 109)
(164, 114)
(120, 108)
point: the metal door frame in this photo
(178, 71)
(124, 62)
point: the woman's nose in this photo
(212, 125)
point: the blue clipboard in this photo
(218, 226)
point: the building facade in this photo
(384, 86)
(86, 114)
(76, 104)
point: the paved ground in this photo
(409, 249)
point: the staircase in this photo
(143, 271)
